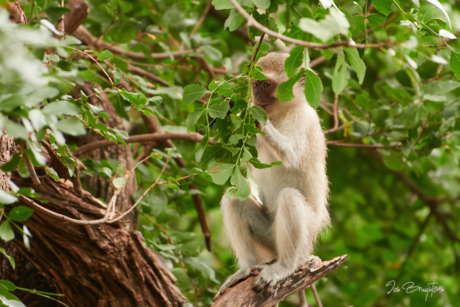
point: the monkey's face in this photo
(263, 93)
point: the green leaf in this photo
(242, 190)
(257, 164)
(246, 156)
(383, 6)
(356, 62)
(259, 114)
(6, 198)
(293, 62)
(222, 4)
(223, 172)
(71, 126)
(16, 130)
(219, 110)
(313, 88)
(12, 164)
(236, 120)
(153, 202)
(20, 213)
(119, 182)
(105, 55)
(235, 138)
(117, 75)
(339, 78)
(376, 20)
(263, 4)
(285, 92)
(194, 92)
(61, 108)
(234, 20)
(454, 63)
(6, 232)
(37, 119)
(393, 162)
(257, 74)
(334, 24)
(10, 259)
(193, 118)
(212, 53)
(412, 115)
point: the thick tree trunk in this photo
(98, 265)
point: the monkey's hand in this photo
(242, 273)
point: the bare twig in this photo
(95, 61)
(315, 293)
(335, 111)
(195, 137)
(252, 22)
(255, 52)
(337, 143)
(31, 170)
(203, 17)
(142, 196)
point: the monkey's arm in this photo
(284, 146)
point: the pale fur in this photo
(294, 195)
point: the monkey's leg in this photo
(243, 224)
(295, 227)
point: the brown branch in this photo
(252, 22)
(146, 74)
(83, 34)
(78, 14)
(31, 169)
(154, 126)
(317, 62)
(200, 22)
(243, 294)
(337, 143)
(336, 111)
(195, 137)
(316, 295)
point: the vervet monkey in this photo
(294, 207)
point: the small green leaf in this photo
(105, 55)
(257, 74)
(356, 62)
(223, 172)
(10, 259)
(376, 20)
(236, 121)
(6, 232)
(242, 190)
(194, 92)
(383, 6)
(259, 114)
(219, 110)
(61, 108)
(257, 164)
(285, 90)
(117, 74)
(119, 182)
(6, 198)
(246, 156)
(71, 126)
(20, 213)
(313, 88)
(293, 62)
(234, 20)
(16, 130)
(12, 164)
(222, 4)
(263, 4)
(193, 118)
(234, 139)
(393, 162)
(212, 53)
(454, 63)
(339, 78)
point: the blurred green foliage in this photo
(402, 99)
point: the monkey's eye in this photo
(254, 85)
(266, 84)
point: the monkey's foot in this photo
(242, 273)
(269, 275)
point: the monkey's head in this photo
(263, 92)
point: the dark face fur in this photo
(264, 94)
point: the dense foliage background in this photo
(389, 109)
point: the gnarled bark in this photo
(243, 295)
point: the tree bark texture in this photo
(243, 295)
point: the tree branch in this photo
(252, 22)
(196, 137)
(243, 294)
